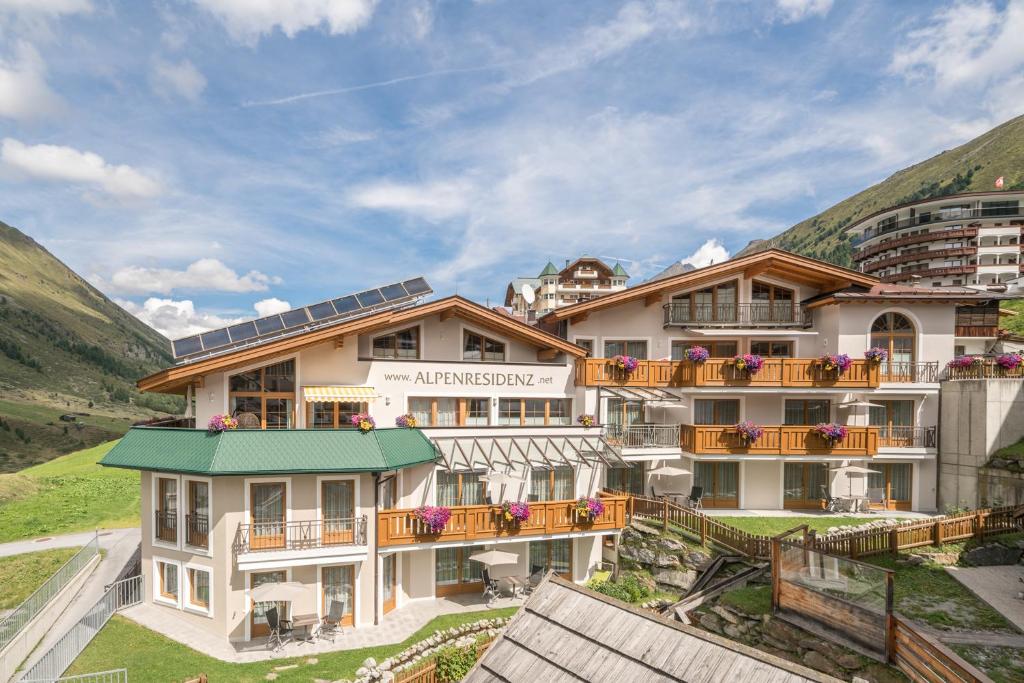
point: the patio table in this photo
(516, 583)
(305, 621)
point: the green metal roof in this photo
(619, 270)
(245, 451)
(549, 269)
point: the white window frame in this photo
(186, 599)
(159, 597)
(336, 477)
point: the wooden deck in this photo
(720, 372)
(776, 440)
(482, 522)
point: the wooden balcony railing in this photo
(197, 531)
(478, 522)
(758, 314)
(643, 436)
(777, 440)
(166, 525)
(988, 370)
(721, 372)
(305, 535)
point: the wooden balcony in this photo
(777, 440)
(166, 525)
(304, 535)
(720, 372)
(756, 314)
(483, 522)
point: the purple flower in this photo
(589, 508)
(751, 362)
(221, 423)
(407, 421)
(434, 517)
(836, 362)
(1010, 361)
(363, 422)
(963, 362)
(876, 354)
(697, 354)
(515, 512)
(749, 431)
(831, 431)
(626, 363)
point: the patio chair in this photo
(536, 576)
(877, 497)
(278, 628)
(490, 586)
(330, 626)
(831, 503)
(693, 500)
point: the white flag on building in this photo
(999, 183)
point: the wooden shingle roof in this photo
(565, 632)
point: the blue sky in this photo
(202, 160)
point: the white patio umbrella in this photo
(856, 470)
(285, 591)
(860, 404)
(669, 471)
(495, 478)
(495, 557)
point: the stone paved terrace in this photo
(395, 627)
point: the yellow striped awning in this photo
(338, 394)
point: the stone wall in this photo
(977, 417)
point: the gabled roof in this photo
(619, 271)
(255, 451)
(549, 269)
(567, 271)
(566, 632)
(174, 380)
(783, 264)
(905, 293)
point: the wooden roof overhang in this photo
(526, 452)
(772, 262)
(883, 299)
(175, 380)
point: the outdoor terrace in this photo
(777, 440)
(721, 372)
(485, 522)
(737, 315)
(931, 218)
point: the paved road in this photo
(108, 538)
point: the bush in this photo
(453, 663)
(628, 588)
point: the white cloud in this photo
(24, 93)
(248, 20)
(793, 11)
(45, 7)
(434, 201)
(67, 164)
(710, 252)
(182, 79)
(206, 274)
(270, 306)
(966, 45)
(339, 135)
(175, 319)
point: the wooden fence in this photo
(870, 541)
(925, 660)
(426, 670)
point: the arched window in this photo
(895, 333)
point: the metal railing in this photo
(764, 314)
(14, 622)
(643, 436)
(112, 676)
(57, 659)
(937, 216)
(166, 525)
(197, 531)
(305, 535)
(897, 371)
(897, 436)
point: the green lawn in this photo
(772, 526)
(149, 656)
(752, 600)
(20, 575)
(69, 493)
(1002, 664)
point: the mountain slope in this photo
(971, 167)
(65, 347)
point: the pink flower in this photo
(434, 517)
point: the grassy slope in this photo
(149, 656)
(20, 575)
(63, 344)
(70, 493)
(771, 526)
(999, 152)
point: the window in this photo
(895, 422)
(333, 414)
(587, 344)
(959, 350)
(895, 333)
(401, 344)
(338, 509)
(772, 349)
(717, 349)
(806, 411)
(454, 572)
(635, 348)
(339, 586)
(264, 398)
(197, 520)
(628, 479)
(168, 580)
(166, 523)
(533, 411)
(268, 504)
(199, 588)
(720, 483)
(804, 484)
(551, 484)
(553, 556)
(460, 488)
(716, 411)
(449, 412)
(1007, 208)
(771, 302)
(478, 347)
(895, 480)
(717, 303)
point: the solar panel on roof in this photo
(183, 347)
(269, 324)
(322, 310)
(394, 292)
(370, 297)
(346, 304)
(417, 286)
(242, 331)
(295, 318)
(215, 338)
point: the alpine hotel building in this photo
(297, 493)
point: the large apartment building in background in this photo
(971, 239)
(580, 280)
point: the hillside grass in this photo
(21, 575)
(68, 494)
(772, 526)
(150, 657)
